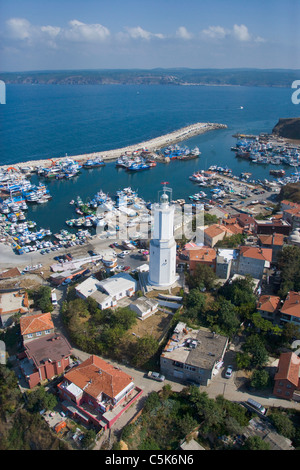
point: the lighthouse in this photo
(162, 263)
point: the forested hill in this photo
(180, 76)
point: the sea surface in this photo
(50, 121)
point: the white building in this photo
(144, 307)
(107, 293)
(162, 262)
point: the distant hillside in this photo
(291, 192)
(180, 76)
(288, 128)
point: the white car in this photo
(229, 372)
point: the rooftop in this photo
(48, 348)
(268, 303)
(13, 302)
(288, 368)
(291, 304)
(34, 323)
(95, 376)
(209, 347)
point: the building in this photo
(144, 307)
(195, 255)
(224, 261)
(162, 262)
(287, 376)
(247, 222)
(215, 233)
(291, 213)
(12, 303)
(108, 292)
(274, 241)
(290, 310)
(44, 358)
(35, 326)
(97, 393)
(193, 355)
(268, 306)
(253, 261)
(268, 227)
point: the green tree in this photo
(40, 399)
(243, 360)
(88, 439)
(256, 443)
(256, 348)
(145, 348)
(283, 424)
(203, 276)
(289, 265)
(260, 379)
(239, 292)
(42, 299)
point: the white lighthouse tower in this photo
(162, 264)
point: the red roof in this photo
(288, 368)
(35, 323)
(256, 253)
(291, 305)
(95, 376)
(268, 303)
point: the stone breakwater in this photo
(151, 145)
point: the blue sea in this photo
(50, 121)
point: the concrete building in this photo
(193, 355)
(97, 393)
(107, 293)
(12, 303)
(144, 307)
(162, 263)
(224, 261)
(253, 261)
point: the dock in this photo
(151, 145)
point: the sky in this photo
(146, 34)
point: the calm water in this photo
(48, 121)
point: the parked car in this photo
(126, 268)
(156, 376)
(229, 372)
(121, 255)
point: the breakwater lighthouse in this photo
(162, 263)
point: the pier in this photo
(152, 145)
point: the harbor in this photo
(38, 217)
(151, 146)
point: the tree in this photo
(124, 317)
(289, 265)
(256, 443)
(88, 439)
(228, 317)
(243, 360)
(260, 379)
(144, 349)
(203, 276)
(256, 348)
(42, 299)
(239, 292)
(39, 399)
(283, 424)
